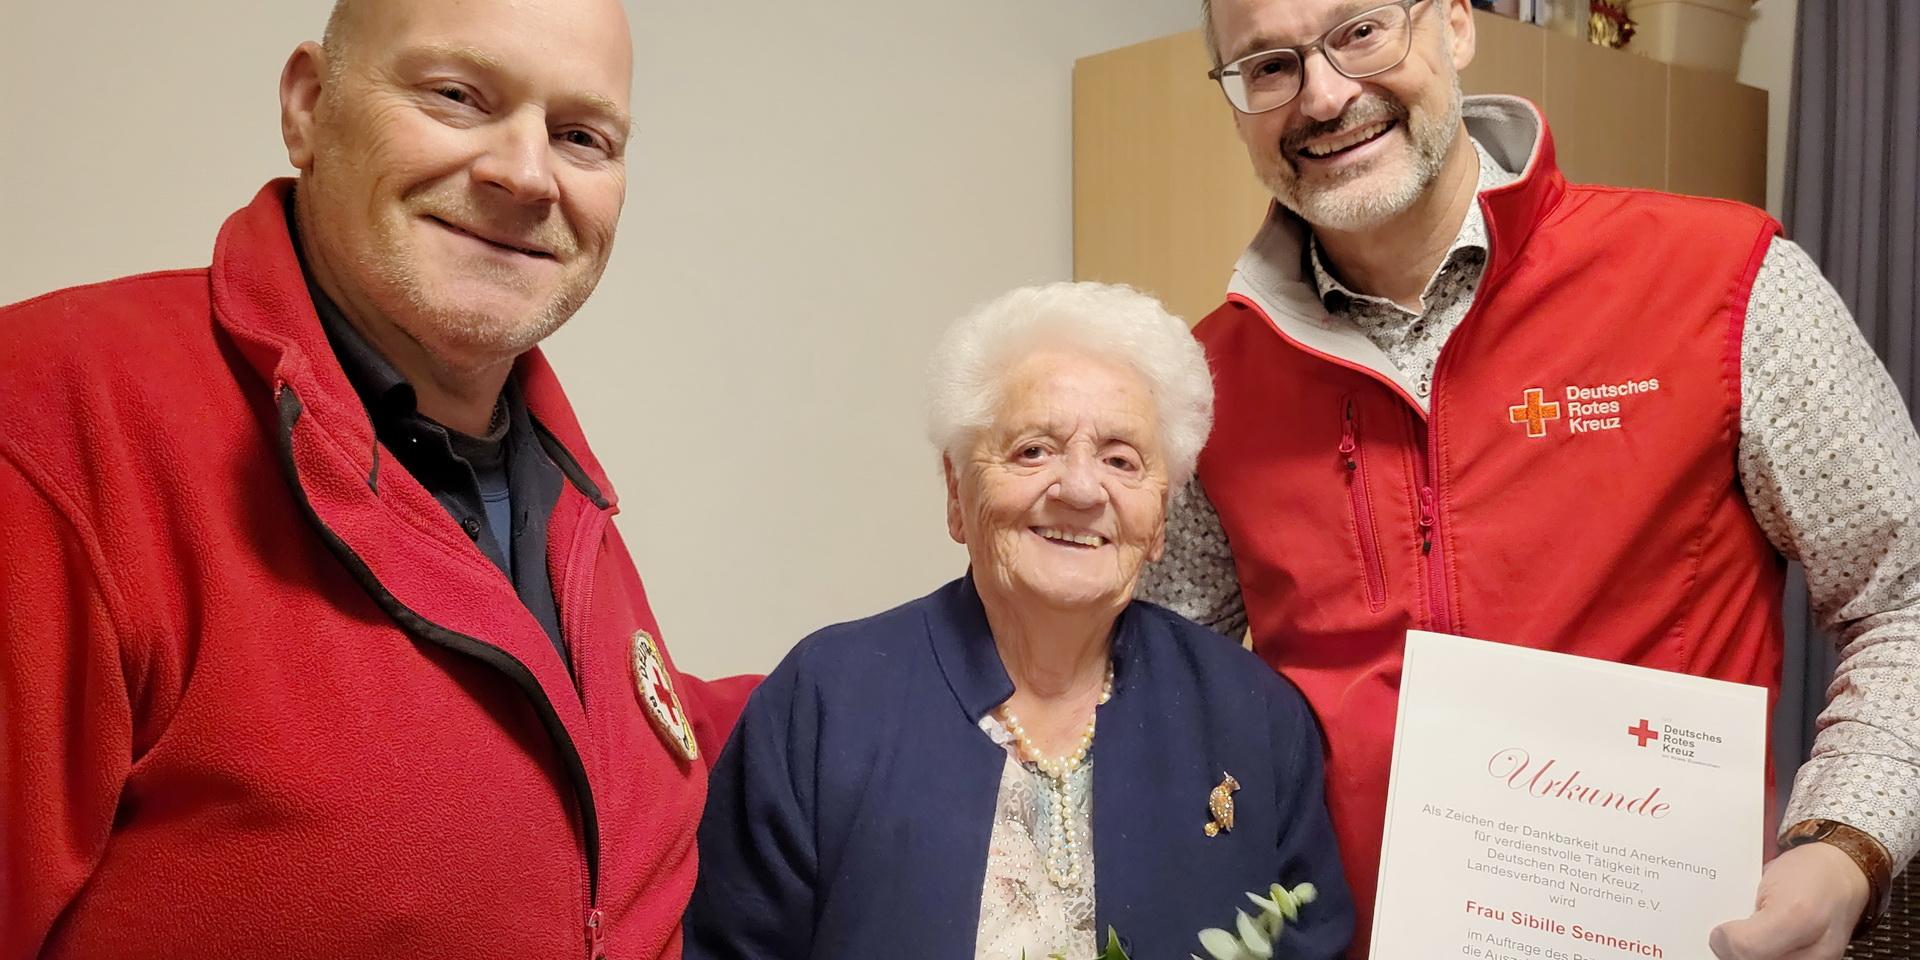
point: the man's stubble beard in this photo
(1333, 205)
(401, 290)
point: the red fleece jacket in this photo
(259, 694)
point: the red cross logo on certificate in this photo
(1643, 733)
(1535, 411)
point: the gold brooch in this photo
(1220, 804)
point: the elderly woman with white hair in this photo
(1027, 756)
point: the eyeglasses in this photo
(1365, 45)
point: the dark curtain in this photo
(1853, 202)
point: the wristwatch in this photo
(1866, 852)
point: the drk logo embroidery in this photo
(1586, 409)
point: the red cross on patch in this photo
(665, 695)
(654, 683)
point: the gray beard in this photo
(1333, 207)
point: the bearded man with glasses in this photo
(1457, 393)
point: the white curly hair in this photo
(1106, 320)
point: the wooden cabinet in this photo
(1164, 198)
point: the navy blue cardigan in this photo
(849, 814)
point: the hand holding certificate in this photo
(1554, 807)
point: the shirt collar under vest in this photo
(1274, 275)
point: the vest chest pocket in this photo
(1353, 461)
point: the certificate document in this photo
(1551, 807)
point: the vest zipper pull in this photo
(1347, 444)
(1426, 519)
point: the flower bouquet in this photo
(1252, 937)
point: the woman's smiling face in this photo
(1062, 499)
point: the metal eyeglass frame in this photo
(1218, 74)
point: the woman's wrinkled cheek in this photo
(1002, 533)
(985, 539)
(1007, 557)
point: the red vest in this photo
(1570, 486)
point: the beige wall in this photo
(1766, 61)
(816, 189)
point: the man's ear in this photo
(1459, 15)
(302, 83)
(955, 528)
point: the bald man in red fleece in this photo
(316, 637)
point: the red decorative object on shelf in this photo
(1608, 24)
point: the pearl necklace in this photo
(1063, 861)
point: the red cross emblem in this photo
(655, 686)
(1643, 733)
(1535, 411)
(666, 698)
